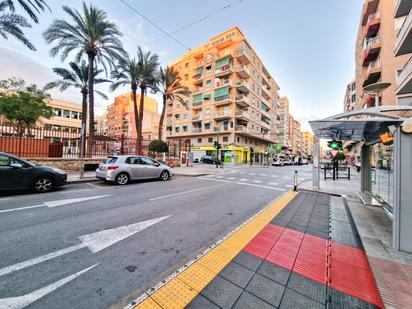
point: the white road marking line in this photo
(242, 173)
(189, 191)
(25, 300)
(289, 186)
(252, 173)
(231, 178)
(55, 203)
(214, 179)
(273, 183)
(257, 181)
(301, 178)
(71, 191)
(259, 186)
(243, 179)
(219, 177)
(95, 242)
(275, 176)
(263, 174)
(5, 199)
(286, 177)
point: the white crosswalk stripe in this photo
(231, 178)
(263, 174)
(257, 181)
(273, 183)
(243, 179)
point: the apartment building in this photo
(67, 117)
(121, 120)
(350, 97)
(283, 124)
(375, 59)
(307, 144)
(234, 100)
(296, 138)
(403, 48)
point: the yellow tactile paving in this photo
(149, 303)
(174, 295)
(180, 291)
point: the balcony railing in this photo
(374, 65)
(223, 83)
(243, 70)
(222, 129)
(243, 85)
(371, 41)
(242, 114)
(196, 117)
(243, 55)
(241, 128)
(196, 130)
(374, 16)
(226, 69)
(197, 103)
(223, 98)
(223, 114)
(403, 33)
(404, 73)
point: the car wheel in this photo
(122, 179)
(164, 175)
(42, 184)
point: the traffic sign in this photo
(334, 152)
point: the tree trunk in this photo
(162, 117)
(136, 114)
(84, 117)
(140, 118)
(91, 105)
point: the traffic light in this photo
(217, 145)
(336, 145)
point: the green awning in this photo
(197, 98)
(198, 70)
(207, 96)
(222, 62)
(185, 102)
(221, 92)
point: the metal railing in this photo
(373, 17)
(405, 72)
(371, 41)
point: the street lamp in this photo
(375, 89)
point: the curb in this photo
(82, 181)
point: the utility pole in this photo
(217, 148)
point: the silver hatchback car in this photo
(122, 169)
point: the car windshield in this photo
(110, 160)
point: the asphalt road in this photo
(53, 256)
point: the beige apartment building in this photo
(307, 144)
(403, 48)
(67, 117)
(296, 138)
(234, 100)
(349, 101)
(375, 45)
(283, 124)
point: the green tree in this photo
(23, 105)
(147, 64)
(89, 34)
(169, 84)
(31, 7)
(12, 25)
(77, 77)
(158, 146)
(127, 72)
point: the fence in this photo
(35, 142)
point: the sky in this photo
(308, 46)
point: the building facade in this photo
(349, 101)
(121, 117)
(234, 101)
(403, 48)
(307, 144)
(67, 117)
(375, 59)
(283, 124)
(296, 138)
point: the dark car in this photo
(206, 159)
(16, 173)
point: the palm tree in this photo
(32, 7)
(127, 72)
(78, 77)
(90, 34)
(12, 24)
(170, 86)
(147, 64)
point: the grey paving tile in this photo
(339, 300)
(274, 272)
(266, 289)
(237, 274)
(307, 287)
(248, 301)
(200, 302)
(222, 292)
(294, 300)
(248, 260)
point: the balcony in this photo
(242, 129)
(222, 129)
(223, 100)
(243, 55)
(371, 51)
(404, 79)
(373, 73)
(242, 115)
(242, 86)
(373, 25)
(402, 8)
(196, 118)
(242, 100)
(198, 79)
(196, 130)
(243, 71)
(197, 105)
(223, 71)
(265, 92)
(370, 7)
(223, 115)
(223, 83)
(403, 43)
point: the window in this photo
(208, 82)
(57, 112)
(177, 129)
(207, 126)
(208, 68)
(177, 116)
(353, 98)
(185, 116)
(199, 140)
(238, 139)
(186, 76)
(66, 113)
(184, 128)
(225, 139)
(210, 139)
(187, 65)
(75, 115)
(246, 141)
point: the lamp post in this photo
(376, 89)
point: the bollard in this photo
(295, 181)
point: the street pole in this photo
(82, 140)
(217, 148)
(295, 181)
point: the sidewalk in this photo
(302, 251)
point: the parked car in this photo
(288, 162)
(206, 159)
(122, 169)
(16, 173)
(278, 162)
(305, 161)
